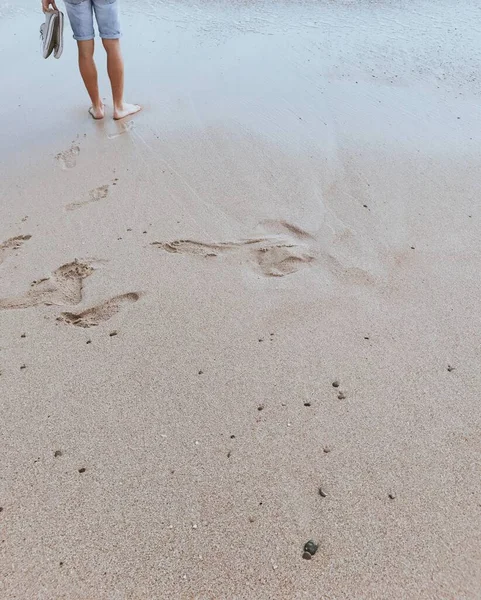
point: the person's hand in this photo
(46, 4)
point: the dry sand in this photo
(298, 203)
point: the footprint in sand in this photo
(283, 253)
(94, 196)
(123, 128)
(64, 286)
(203, 249)
(12, 244)
(97, 314)
(68, 158)
(281, 259)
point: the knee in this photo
(86, 49)
(111, 46)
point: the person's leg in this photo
(115, 69)
(80, 14)
(88, 70)
(107, 15)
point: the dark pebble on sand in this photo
(232, 437)
(57, 453)
(306, 556)
(82, 470)
(88, 342)
(335, 384)
(24, 335)
(450, 368)
(23, 366)
(326, 449)
(310, 547)
(261, 407)
(201, 372)
(322, 493)
(392, 496)
(341, 396)
(113, 333)
(307, 404)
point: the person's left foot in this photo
(97, 112)
(126, 110)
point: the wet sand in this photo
(296, 206)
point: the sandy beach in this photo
(250, 316)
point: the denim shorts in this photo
(81, 17)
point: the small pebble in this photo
(24, 335)
(450, 368)
(194, 526)
(201, 372)
(23, 366)
(335, 384)
(57, 453)
(341, 396)
(326, 449)
(232, 437)
(307, 404)
(88, 342)
(311, 547)
(322, 493)
(260, 407)
(392, 496)
(1, 508)
(307, 556)
(112, 333)
(82, 470)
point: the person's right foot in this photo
(126, 110)
(97, 112)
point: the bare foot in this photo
(126, 110)
(97, 112)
